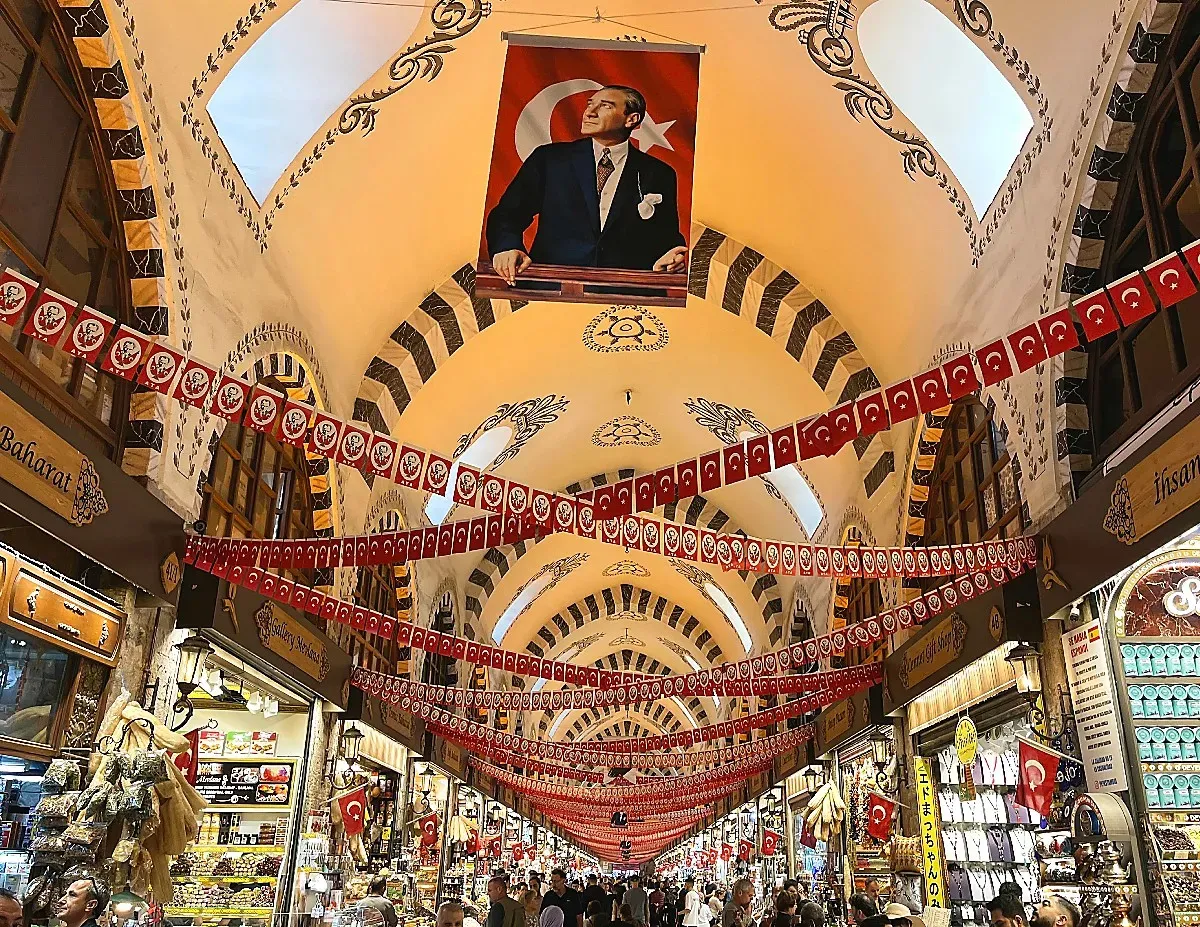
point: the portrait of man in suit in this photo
(599, 200)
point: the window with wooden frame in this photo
(864, 599)
(974, 487)
(257, 487)
(59, 221)
(1135, 371)
(384, 588)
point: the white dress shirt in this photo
(618, 154)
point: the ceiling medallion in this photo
(625, 328)
(625, 431)
(627, 640)
(626, 568)
(627, 616)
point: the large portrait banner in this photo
(590, 192)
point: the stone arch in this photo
(613, 600)
(135, 177)
(1083, 249)
(745, 284)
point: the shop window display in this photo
(248, 764)
(33, 681)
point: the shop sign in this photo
(931, 838)
(85, 502)
(957, 639)
(42, 465)
(299, 646)
(787, 763)
(246, 783)
(1156, 489)
(839, 722)
(451, 757)
(966, 741)
(1090, 678)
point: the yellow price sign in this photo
(966, 741)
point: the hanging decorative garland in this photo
(375, 682)
(619, 688)
(90, 335)
(629, 532)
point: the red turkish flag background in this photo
(552, 85)
(1035, 785)
(879, 816)
(352, 805)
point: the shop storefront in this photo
(845, 741)
(809, 856)
(264, 686)
(968, 705)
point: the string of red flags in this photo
(125, 352)
(619, 687)
(629, 532)
(374, 682)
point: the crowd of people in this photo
(666, 903)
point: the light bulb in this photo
(255, 702)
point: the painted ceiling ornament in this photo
(627, 640)
(526, 418)
(626, 431)
(626, 615)
(626, 568)
(625, 328)
(558, 569)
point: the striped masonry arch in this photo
(1083, 249)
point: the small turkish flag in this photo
(1131, 297)
(1027, 346)
(770, 842)
(428, 826)
(1058, 331)
(1170, 279)
(994, 362)
(931, 390)
(1096, 315)
(352, 806)
(1035, 785)
(518, 851)
(783, 446)
(841, 424)
(735, 463)
(961, 378)
(808, 838)
(726, 851)
(494, 846)
(758, 455)
(879, 816)
(745, 848)
(872, 414)
(902, 401)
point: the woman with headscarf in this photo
(552, 916)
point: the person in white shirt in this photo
(707, 914)
(691, 904)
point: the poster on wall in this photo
(590, 189)
(1092, 694)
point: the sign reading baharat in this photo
(45, 467)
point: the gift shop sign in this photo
(45, 467)
(1092, 695)
(299, 646)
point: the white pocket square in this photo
(646, 206)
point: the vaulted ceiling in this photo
(824, 261)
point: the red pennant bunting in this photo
(1027, 347)
(161, 367)
(49, 318)
(229, 401)
(1131, 297)
(194, 384)
(901, 401)
(89, 333)
(1058, 332)
(961, 379)
(1096, 315)
(16, 290)
(1171, 281)
(994, 362)
(931, 391)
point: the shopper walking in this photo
(532, 903)
(504, 911)
(691, 904)
(638, 901)
(561, 895)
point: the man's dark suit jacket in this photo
(557, 183)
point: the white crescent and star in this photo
(1172, 275)
(533, 125)
(1134, 303)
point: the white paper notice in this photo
(1095, 709)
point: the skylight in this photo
(717, 594)
(794, 488)
(296, 75)
(531, 591)
(557, 721)
(949, 89)
(483, 450)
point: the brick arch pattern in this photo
(698, 510)
(288, 370)
(619, 730)
(134, 173)
(1089, 231)
(931, 427)
(745, 284)
(594, 721)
